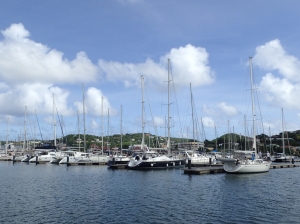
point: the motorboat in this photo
(153, 160)
(199, 159)
(43, 157)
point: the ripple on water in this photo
(94, 194)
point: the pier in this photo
(214, 169)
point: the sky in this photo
(75, 67)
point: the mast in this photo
(245, 132)
(271, 147)
(24, 143)
(283, 146)
(102, 124)
(121, 131)
(83, 109)
(108, 144)
(54, 122)
(216, 136)
(34, 131)
(79, 140)
(6, 137)
(143, 134)
(168, 143)
(253, 108)
(192, 113)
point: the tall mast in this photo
(34, 130)
(253, 108)
(6, 136)
(245, 131)
(283, 146)
(83, 109)
(143, 134)
(24, 144)
(216, 136)
(54, 122)
(121, 131)
(78, 121)
(102, 124)
(108, 144)
(192, 113)
(168, 143)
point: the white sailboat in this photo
(74, 157)
(151, 159)
(119, 159)
(241, 163)
(282, 157)
(192, 155)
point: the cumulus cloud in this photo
(93, 103)
(36, 97)
(279, 90)
(158, 121)
(23, 60)
(227, 109)
(272, 56)
(189, 65)
(208, 122)
(30, 73)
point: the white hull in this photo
(26, 159)
(85, 158)
(248, 166)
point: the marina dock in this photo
(214, 169)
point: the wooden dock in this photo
(214, 169)
(6, 158)
(86, 164)
(118, 166)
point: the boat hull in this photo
(156, 163)
(251, 167)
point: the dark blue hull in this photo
(144, 165)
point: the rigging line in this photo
(261, 117)
(62, 131)
(155, 128)
(39, 127)
(287, 135)
(173, 85)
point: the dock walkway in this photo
(214, 169)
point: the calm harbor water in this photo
(48, 193)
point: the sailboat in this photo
(282, 157)
(72, 157)
(241, 163)
(194, 157)
(150, 158)
(119, 159)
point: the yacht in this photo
(199, 159)
(43, 157)
(150, 159)
(240, 162)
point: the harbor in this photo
(87, 194)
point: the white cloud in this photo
(23, 60)
(37, 97)
(189, 65)
(227, 109)
(208, 122)
(158, 121)
(272, 56)
(31, 71)
(279, 91)
(93, 103)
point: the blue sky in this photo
(51, 48)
